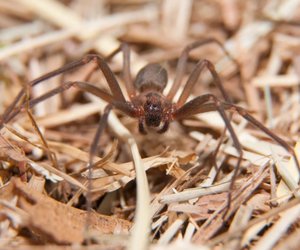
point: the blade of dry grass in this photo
(139, 239)
(288, 186)
(276, 232)
(47, 170)
(96, 26)
(194, 193)
(172, 230)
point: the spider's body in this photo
(150, 106)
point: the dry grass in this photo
(149, 191)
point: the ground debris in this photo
(54, 222)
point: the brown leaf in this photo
(59, 223)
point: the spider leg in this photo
(125, 49)
(81, 85)
(195, 106)
(209, 102)
(93, 148)
(267, 131)
(181, 65)
(194, 76)
(141, 126)
(125, 107)
(110, 78)
(20, 95)
(200, 105)
(200, 66)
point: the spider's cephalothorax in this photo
(153, 110)
(150, 82)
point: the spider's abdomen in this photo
(151, 77)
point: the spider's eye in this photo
(153, 107)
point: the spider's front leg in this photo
(83, 86)
(181, 68)
(108, 74)
(194, 76)
(209, 102)
(206, 103)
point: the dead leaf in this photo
(59, 223)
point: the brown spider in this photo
(149, 105)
